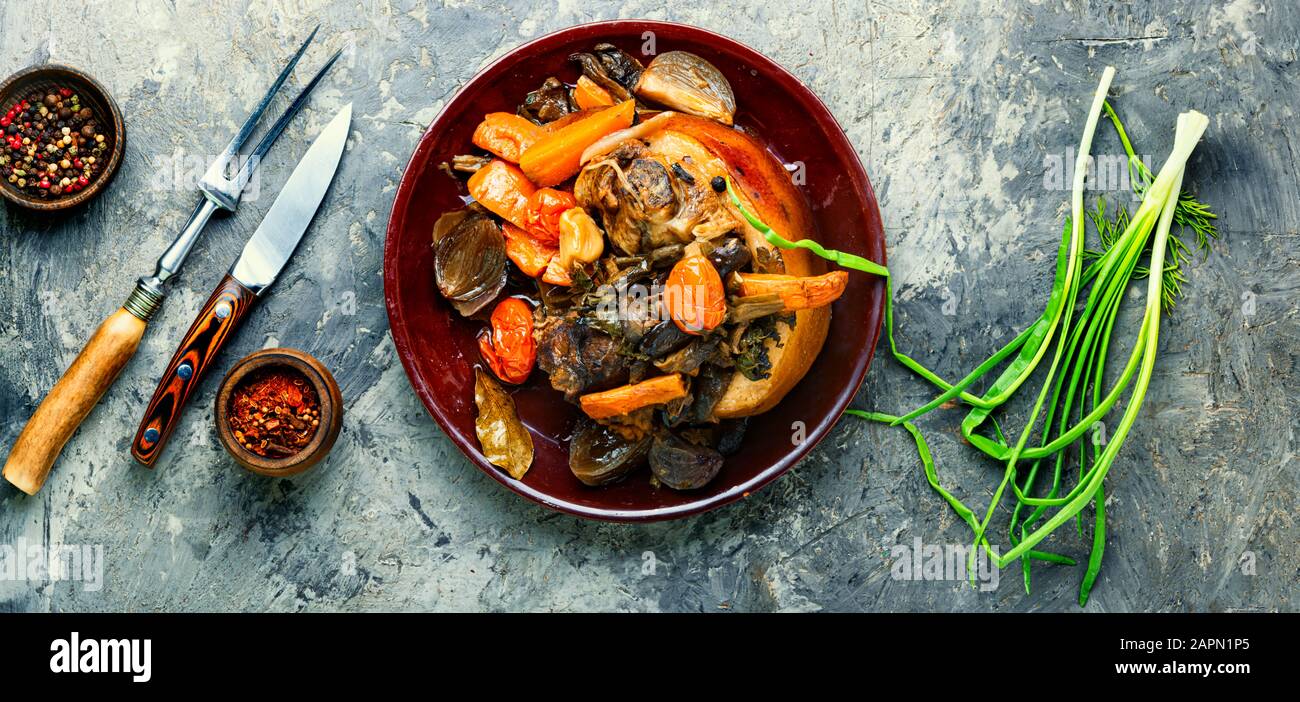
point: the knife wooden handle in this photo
(223, 311)
(71, 399)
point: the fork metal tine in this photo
(251, 123)
(216, 185)
(255, 157)
(219, 192)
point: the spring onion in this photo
(1077, 326)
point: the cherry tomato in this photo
(694, 296)
(508, 347)
(544, 209)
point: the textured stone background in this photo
(954, 106)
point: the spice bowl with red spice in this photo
(61, 137)
(278, 412)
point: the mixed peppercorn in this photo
(274, 413)
(52, 144)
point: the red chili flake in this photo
(274, 412)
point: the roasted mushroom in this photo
(692, 356)
(677, 412)
(599, 456)
(623, 306)
(610, 68)
(685, 82)
(577, 357)
(748, 308)
(469, 259)
(725, 436)
(644, 202)
(710, 386)
(682, 465)
(548, 103)
(730, 256)
(666, 256)
(663, 339)
(731, 432)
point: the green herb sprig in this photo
(1080, 317)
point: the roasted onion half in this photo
(600, 456)
(469, 260)
(685, 82)
(682, 465)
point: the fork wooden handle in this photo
(71, 399)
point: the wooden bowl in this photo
(331, 411)
(439, 349)
(93, 95)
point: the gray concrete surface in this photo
(956, 107)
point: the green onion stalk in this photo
(1076, 327)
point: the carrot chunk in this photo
(504, 190)
(797, 292)
(557, 156)
(628, 398)
(506, 135)
(530, 255)
(588, 95)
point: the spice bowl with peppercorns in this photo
(278, 412)
(61, 137)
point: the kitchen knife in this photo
(263, 257)
(107, 352)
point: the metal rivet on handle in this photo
(185, 370)
(150, 435)
(223, 310)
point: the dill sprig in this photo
(1109, 231)
(1079, 322)
(1189, 213)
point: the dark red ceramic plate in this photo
(438, 347)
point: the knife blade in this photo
(280, 231)
(258, 265)
(112, 346)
